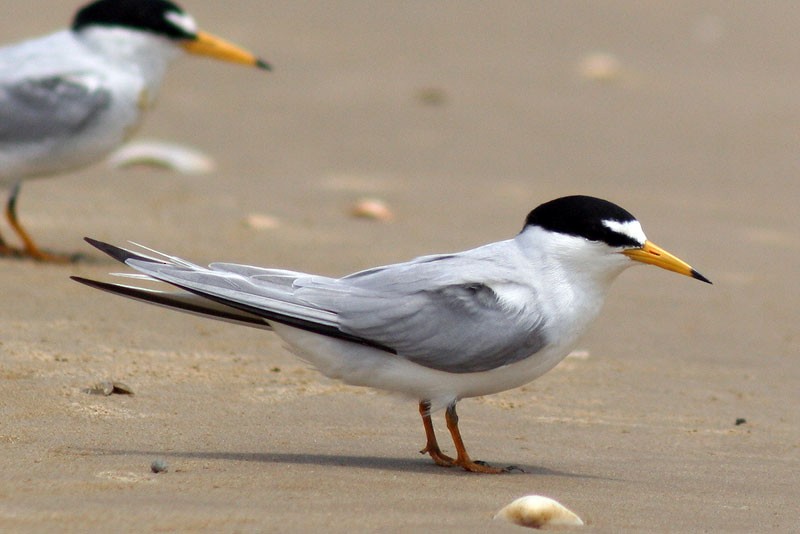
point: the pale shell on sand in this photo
(261, 221)
(537, 511)
(170, 156)
(600, 67)
(372, 208)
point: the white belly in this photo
(360, 365)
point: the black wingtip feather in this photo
(120, 254)
(87, 282)
(165, 300)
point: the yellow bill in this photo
(652, 254)
(206, 44)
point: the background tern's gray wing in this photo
(39, 109)
(447, 312)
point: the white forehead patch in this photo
(184, 21)
(631, 229)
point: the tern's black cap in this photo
(583, 216)
(145, 15)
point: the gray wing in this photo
(445, 312)
(35, 109)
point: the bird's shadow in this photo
(419, 465)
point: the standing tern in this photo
(70, 98)
(438, 328)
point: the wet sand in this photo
(462, 117)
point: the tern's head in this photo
(594, 229)
(163, 19)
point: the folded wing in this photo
(435, 311)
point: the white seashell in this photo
(372, 208)
(537, 511)
(174, 157)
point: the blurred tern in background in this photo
(70, 98)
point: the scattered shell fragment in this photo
(170, 156)
(108, 387)
(373, 209)
(431, 96)
(159, 466)
(260, 221)
(579, 354)
(124, 476)
(600, 67)
(537, 511)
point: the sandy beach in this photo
(462, 117)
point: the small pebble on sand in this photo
(159, 466)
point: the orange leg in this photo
(5, 250)
(463, 458)
(30, 247)
(432, 446)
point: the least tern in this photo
(70, 98)
(438, 328)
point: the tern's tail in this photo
(177, 300)
(242, 294)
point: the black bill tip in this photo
(700, 277)
(261, 64)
